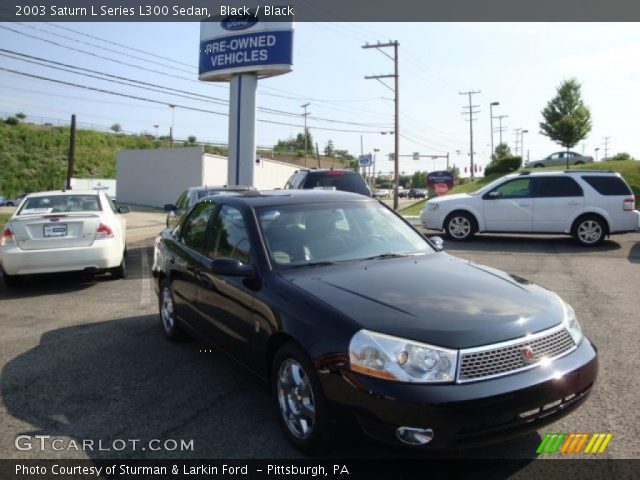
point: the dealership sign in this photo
(244, 44)
(441, 181)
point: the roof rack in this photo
(589, 171)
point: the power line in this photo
(185, 107)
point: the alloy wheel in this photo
(295, 397)
(590, 232)
(166, 310)
(459, 227)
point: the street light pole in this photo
(597, 150)
(173, 118)
(522, 141)
(491, 105)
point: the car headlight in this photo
(432, 207)
(393, 358)
(571, 322)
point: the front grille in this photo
(494, 360)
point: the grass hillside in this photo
(34, 157)
(629, 169)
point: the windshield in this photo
(322, 233)
(60, 204)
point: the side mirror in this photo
(492, 195)
(231, 267)
(169, 207)
(437, 243)
(124, 209)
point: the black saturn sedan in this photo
(350, 313)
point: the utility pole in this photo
(517, 130)
(396, 90)
(471, 112)
(491, 105)
(173, 117)
(606, 147)
(317, 155)
(72, 151)
(522, 132)
(500, 117)
(305, 114)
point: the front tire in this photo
(590, 231)
(298, 396)
(460, 226)
(168, 317)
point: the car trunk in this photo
(36, 232)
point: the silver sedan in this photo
(559, 159)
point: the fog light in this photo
(414, 436)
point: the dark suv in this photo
(344, 179)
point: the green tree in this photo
(192, 139)
(502, 151)
(116, 127)
(20, 116)
(566, 119)
(329, 149)
(621, 156)
(419, 179)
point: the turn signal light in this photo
(7, 237)
(104, 231)
(629, 204)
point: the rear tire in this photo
(460, 226)
(590, 230)
(121, 270)
(298, 396)
(11, 281)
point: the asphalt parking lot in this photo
(84, 358)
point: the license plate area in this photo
(58, 230)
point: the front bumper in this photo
(467, 414)
(431, 220)
(102, 254)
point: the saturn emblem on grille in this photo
(527, 354)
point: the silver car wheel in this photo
(166, 310)
(295, 397)
(589, 231)
(459, 227)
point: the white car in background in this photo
(587, 204)
(64, 231)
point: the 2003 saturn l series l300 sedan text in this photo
(350, 313)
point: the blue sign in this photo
(246, 50)
(365, 160)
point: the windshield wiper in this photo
(311, 264)
(387, 255)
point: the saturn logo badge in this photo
(527, 354)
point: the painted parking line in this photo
(145, 292)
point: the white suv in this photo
(588, 204)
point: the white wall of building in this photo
(157, 177)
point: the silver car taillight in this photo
(7, 237)
(629, 204)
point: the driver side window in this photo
(194, 228)
(230, 238)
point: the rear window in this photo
(345, 181)
(61, 204)
(608, 185)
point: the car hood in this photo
(436, 298)
(450, 198)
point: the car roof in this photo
(324, 170)
(63, 192)
(548, 173)
(222, 187)
(264, 198)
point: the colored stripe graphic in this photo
(572, 443)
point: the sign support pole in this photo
(242, 129)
